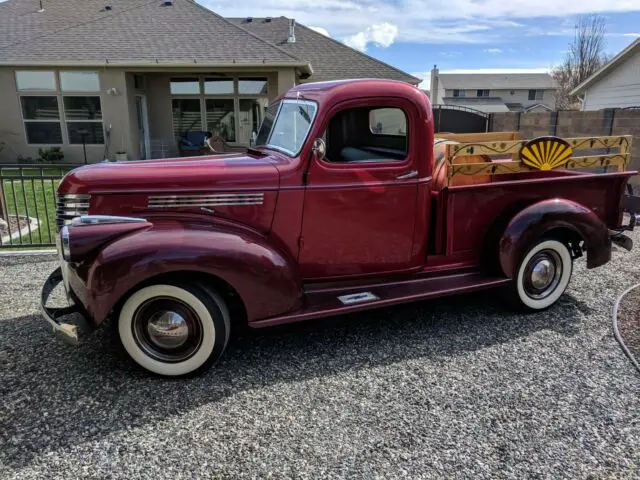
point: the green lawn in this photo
(31, 195)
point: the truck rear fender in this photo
(560, 218)
(266, 279)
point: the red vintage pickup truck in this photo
(346, 202)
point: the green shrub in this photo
(50, 155)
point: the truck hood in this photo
(220, 172)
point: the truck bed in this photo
(476, 208)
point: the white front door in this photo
(142, 120)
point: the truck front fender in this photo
(266, 279)
(540, 219)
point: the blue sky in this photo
(413, 35)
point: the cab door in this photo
(360, 199)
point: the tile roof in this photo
(132, 32)
(456, 81)
(329, 58)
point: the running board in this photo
(321, 302)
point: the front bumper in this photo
(67, 331)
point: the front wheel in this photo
(543, 275)
(174, 329)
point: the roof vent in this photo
(41, 7)
(107, 8)
(292, 31)
(167, 3)
(267, 20)
(248, 19)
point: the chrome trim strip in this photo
(212, 200)
(85, 220)
(75, 196)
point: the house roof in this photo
(132, 32)
(606, 68)
(330, 59)
(457, 81)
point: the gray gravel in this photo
(449, 388)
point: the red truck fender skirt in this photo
(266, 279)
(539, 219)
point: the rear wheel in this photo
(542, 276)
(174, 330)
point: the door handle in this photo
(407, 176)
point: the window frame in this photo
(62, 117)
(461, 92)
(235, 96)
(536, 91)
(66, 120)
(406, 123)
(480, 92)
(31, 120)
(373, 164)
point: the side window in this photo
(365, 134)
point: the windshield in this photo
(286, 125)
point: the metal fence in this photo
(28, 204)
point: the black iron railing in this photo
(28, 204)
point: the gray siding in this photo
(618, 89)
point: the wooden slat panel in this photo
(479, 137)
(623, 142)
(497, 168)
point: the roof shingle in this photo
(133, 31)
(330, 59)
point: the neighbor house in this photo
(616, 84)
(136, 76)
(494, 92)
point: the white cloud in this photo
(450, 54)
(321, 30)
(634, 35)
(434, 21)
(493, 51)
(380, 34)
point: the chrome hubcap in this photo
(168, 329)
(542, 274)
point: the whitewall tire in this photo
(174, 330)
(543, 275)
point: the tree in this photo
(584, 57)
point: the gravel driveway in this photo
(449, 388)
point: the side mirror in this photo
(319, 148)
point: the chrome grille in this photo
(71, 206)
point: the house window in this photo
(36, 81)
(459, 93)
(252, 86)
(185, 86)
(41, 119)
(79, 82)
(84, 120)
(186, 116)
(218, 86)
(221, 120)
(536, 94)
(388, 121)
(231, 108)
(482, 93)
(49, 115)
(250, 115)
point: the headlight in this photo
(64, 243)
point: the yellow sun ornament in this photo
(546, 153)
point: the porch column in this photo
(286, 80)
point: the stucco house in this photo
(616, 84)
(494, 92)
(134, 75)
